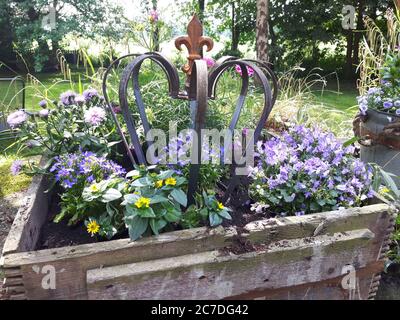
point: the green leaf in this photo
(59, 217)
(142, 182)
(158, 199)
(173, 216)
(157, 225)
(146, 213)
(130, 211)
(130, 199)
(215, 219)
(113, 143)
(224, 214)
(179, 196)
(111, 195)
(137, 227)
(389, 182)
(165, 174)
(350, 142)
(133, 173)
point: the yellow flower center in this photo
(220, 206)
(170, 181)
(94, 188)
(142, 202)
(93, 227)
(385, 190)
(159, 183)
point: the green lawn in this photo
(48, 86)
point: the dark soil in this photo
(56, 235)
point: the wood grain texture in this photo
(25, 231)
(299, 250)
(210, 275)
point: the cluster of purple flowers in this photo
(84, 168)
(67, 98)
(153, 17)
(17, 118)
(16, 167)
(179, 150)
(89, 94)
(250, 71)
(308, 170)
(70, 97)
(95, 116)
(385, 98)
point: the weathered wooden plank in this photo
(210, 275)
(71, 264)
(11, 281)
(74, 261)
(25, 230)
(123, 251)
(329, 289)
(12, 290)
(269, 230)
(264, 231)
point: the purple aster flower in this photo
(363, 109)
(95, 116)
(250, 71)
(89, 94)
(397, 103)
(44, 113)
(68, 98)
(388, 104)
(43, 103)
(80, 99)
(398, 112)
(153, 17)
(16, 167)
(17, 118)
(210, 62)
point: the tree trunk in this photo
(202, 5)
(358, 34)
(262, 30)
(349, 55)
(234, 29)
(156, 31)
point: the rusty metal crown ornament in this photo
(200, 86)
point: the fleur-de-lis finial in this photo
(194, 42)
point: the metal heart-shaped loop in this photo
(132, 72)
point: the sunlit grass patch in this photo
(10, 183)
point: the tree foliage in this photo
(38, 45)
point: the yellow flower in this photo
(93, 227)
(170, 182)
(384, 190)
(94, 188)
(220, 206)
(159, 183)
(142, 202)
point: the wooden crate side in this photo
(75, 261)
(25, 230)
(265, 231)
(330, 289)
(203, 239)
(210, 275)
(71, 268)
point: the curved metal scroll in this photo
(108, 104)
(269, 99)
(132, 71)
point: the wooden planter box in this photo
(296, 258)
